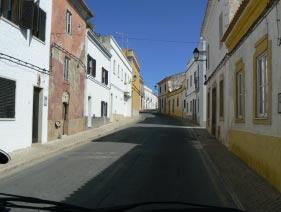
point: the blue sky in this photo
(152, 26)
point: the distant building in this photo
(171, 92)
(150, 99)
(97, 90)
(67, 81)
(24, 73)
(137, 84)
(195, 97)
(121, 78)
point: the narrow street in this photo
(158, 159)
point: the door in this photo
(89, 111)
(36, 115)
(65, 118)
(214, 110)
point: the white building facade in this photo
(217, 18)
(120, 80)
(24, 74)
(150, 99)
(190, 104)
(97, 90)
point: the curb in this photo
(222, 179)
(20, 165)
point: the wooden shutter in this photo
(106, 77)
(88, 64)
(7, 98)
(35, 27)
(102, 111)
(42, 25)
(94, 68)
(15, 11)
(26, 14)
(106, 109)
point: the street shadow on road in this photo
(153, 170)
(164, 120)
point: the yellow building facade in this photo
(171, 95)
(254, 134)
(137, 81)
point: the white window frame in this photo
(240, 84)
(262, 86)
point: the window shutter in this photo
(94, 68)
(42, 24)
(88, 65)
(26, 14)
(106, 77)
(15, 11)
(35, 20)
(7, 98)
(101, 108)
(106, 109)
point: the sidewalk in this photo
(254, 192)
(37, 153)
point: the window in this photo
(68, 22)
(103, 109)
(221, 87)
(191, 106)
(122, 74)
(10, 10)
(173, 109)
(240, 92)
(191, 81)
(114, 67)
(66, 69)
(104, 76)
(220, 28)
(187, 83)
(184, 104)
(177, 102)
(39, 23)
(187, 107)
(7, 98)
(26, 14)
(125, 80)
(262, 82)
(261, 86)
(91, 66)
(160, 90)
(208, 108)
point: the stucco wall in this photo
(95, 89)
(259, 145)
(74, 48)
(17, 133)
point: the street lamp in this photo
(197, 53)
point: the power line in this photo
(160, 40)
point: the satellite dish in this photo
(4, 157)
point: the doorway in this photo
(89, 111)
(36, 115)
(214, 110)
(65, 118)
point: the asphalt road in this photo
(156, 160)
